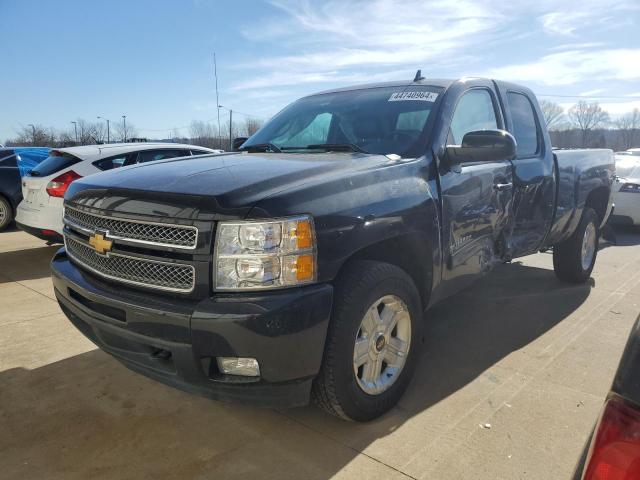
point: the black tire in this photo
(567, 256)
(6, 213)
(336, 388)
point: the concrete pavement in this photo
(511, 381)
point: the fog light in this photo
(247, 367)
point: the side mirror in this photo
(482, 146)
(237, 143)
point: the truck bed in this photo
(580, 173)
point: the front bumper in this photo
(176, 340)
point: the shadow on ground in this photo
(30, 264)
(89, 417)
(620, 236)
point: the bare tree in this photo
(203, 134)
(66, 139)
(33, 135)
(552, 112)
(122, 132)
(587, 117)
(628, 126)
(252, 125)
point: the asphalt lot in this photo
(519, 352)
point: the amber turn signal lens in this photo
(304, 268)
(304, 234)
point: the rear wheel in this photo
(372, 343)
(573, 259)
(6, 213)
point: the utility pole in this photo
(230, 130)
(215, 72)
(33, 133)
(230, 126)
(124, 127)
(75, 128)
(107, 127)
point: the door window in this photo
(154, 155)
(474, 112)
(111, 162)
(525, 127)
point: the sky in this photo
(153, 60)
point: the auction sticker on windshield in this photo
(414, 95)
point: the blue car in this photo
(15, 162)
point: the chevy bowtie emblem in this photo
(100, 244)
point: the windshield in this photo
(386, 120)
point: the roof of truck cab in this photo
(428, 82)
(87, 151)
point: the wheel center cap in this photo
(380, 342)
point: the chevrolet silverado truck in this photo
(301, 267)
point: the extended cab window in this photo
(154, 155)
(525, 127)
(474, 112)
(111, 162)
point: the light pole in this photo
(75, 128)
(124, 127)
(33, 132)
(102, 118)
(230, 126)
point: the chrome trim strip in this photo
(132, 282)
(133, 240)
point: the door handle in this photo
(500, 187)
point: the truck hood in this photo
(221, 186)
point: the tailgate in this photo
(34, 191)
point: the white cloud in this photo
(592, 93)
(344, 40)
(568, 17)
(615, 109)
(575, 66)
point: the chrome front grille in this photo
(157, 274)
(177, 236)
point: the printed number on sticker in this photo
(419, 96)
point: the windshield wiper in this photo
(257, 147)
(337, 147)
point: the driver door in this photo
(476, 196)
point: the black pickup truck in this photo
(301, 266)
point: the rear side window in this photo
(55, 162)
(154, 155)
(5, 153)
(414, 120)
(474, 111)
(8, 160)
(525, 127)
(111, 162)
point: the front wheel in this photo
(573, 259)
(372, 343)
(6, 213)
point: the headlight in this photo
(265, 254)
(630, 187)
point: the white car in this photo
(626, 190)
(40, 212)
